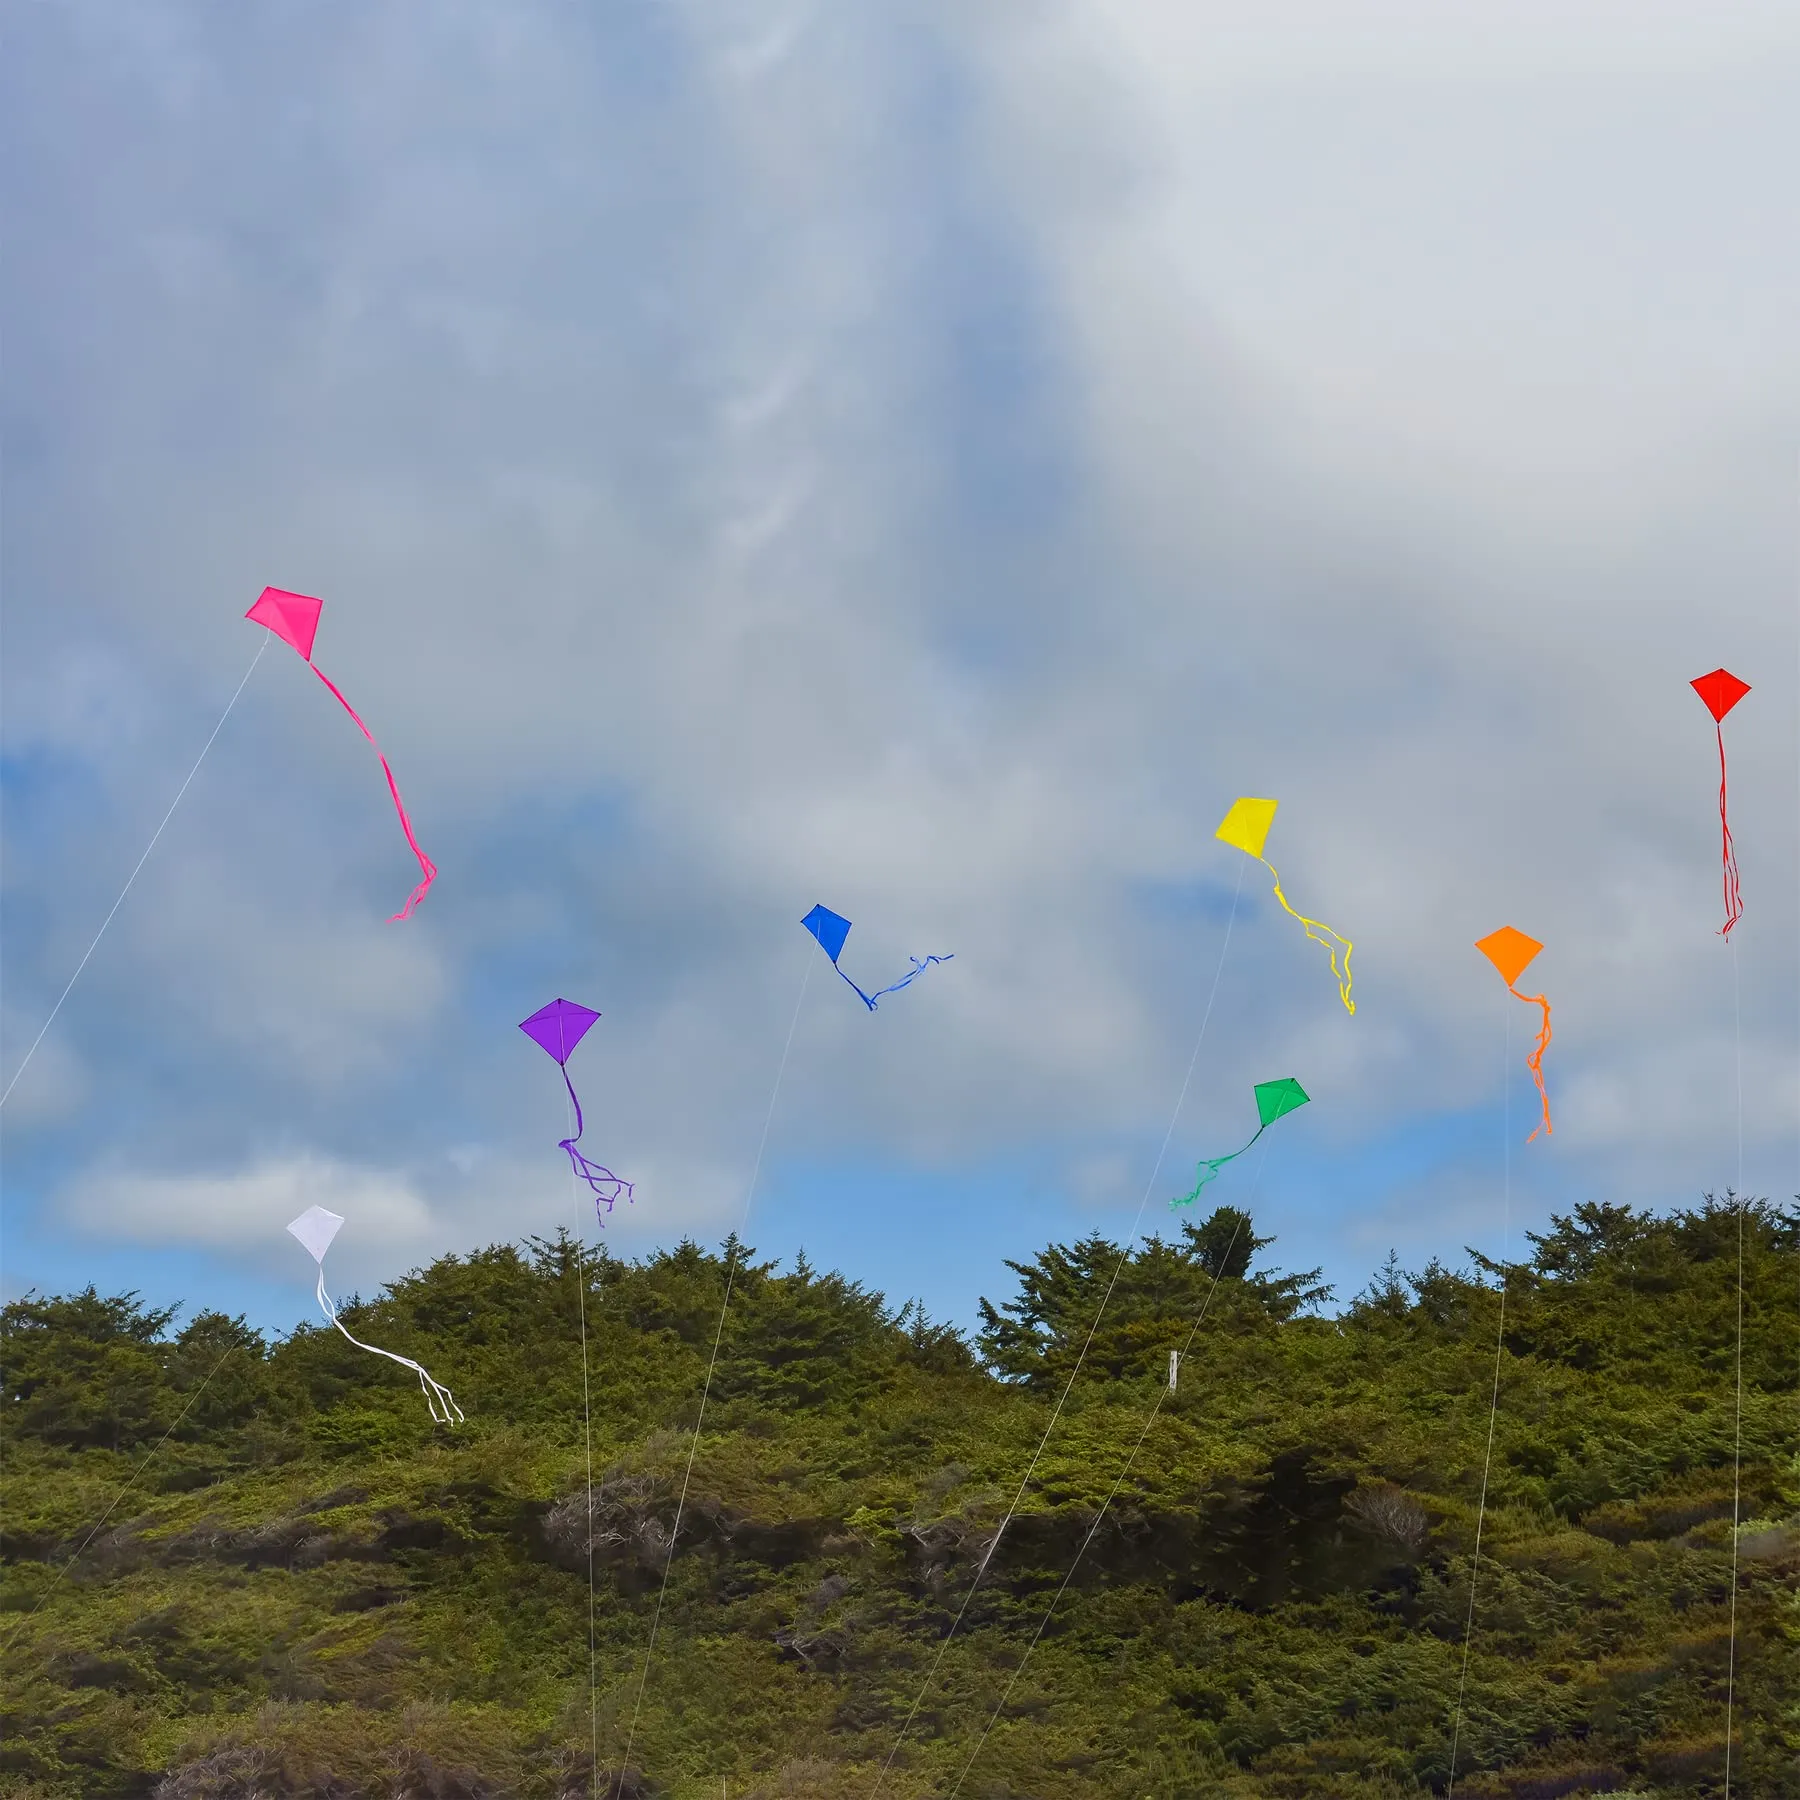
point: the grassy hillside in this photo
(311, 1590)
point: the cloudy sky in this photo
(928, 459)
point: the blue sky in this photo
(926, 461)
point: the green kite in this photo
(1273, 1098)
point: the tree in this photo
(1119, 1311)
(80, 1369)
(1226, 1243)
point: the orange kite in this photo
(1511, 952)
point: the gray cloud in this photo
(784, 453)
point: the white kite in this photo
(315, 1228)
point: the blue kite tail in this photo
(607, 1188)
(864, 998)
(919, 966)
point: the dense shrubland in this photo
(311, 1590)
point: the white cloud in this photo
(249, 1210)
(51, 1086)
(931, 472)
(1228, 46)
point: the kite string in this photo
(130, 1482)
(427, 867)
(1087, 1343)
(1487, 1460)
(587, 1444)
(1113, 1494)
(129, 879)
(712, 1364)
(1737, 1441)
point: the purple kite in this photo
(294, 618)
(831, 929)
(558, 1028)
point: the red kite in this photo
(1721, 690)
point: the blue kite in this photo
(832, 928)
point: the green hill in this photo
(1261, 1582)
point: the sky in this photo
(927, 459)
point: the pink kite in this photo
(294, 618)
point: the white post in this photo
(1174, 1368)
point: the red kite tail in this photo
(1734, 898)
(426, 865)
(1535, 1061)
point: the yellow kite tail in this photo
(1320, 934)
(1535, 1061)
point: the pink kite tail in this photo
(1734, 899)
(428, 867)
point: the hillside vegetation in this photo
(1256, 1585)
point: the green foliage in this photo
(1151, 1293)
(1226, 1244)
(1258, 1585)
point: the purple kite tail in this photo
(919, 966)
(426, 865)
(605, 1186)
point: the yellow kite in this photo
(1246, 828)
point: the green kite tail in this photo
(1209, 1168)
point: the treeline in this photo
(91, 1371)
(1257, 1584)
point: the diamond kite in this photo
(831, 929)
(1721, 691)
(1273, 1100)
(294, 618)
(315, 1228)
(1511, 952)
(557, 1029)
(1246, 828)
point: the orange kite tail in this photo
(1535, 1061)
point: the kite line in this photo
(129, 879)
(129, 1483)
(587, 1445)
(731, 1266)
(1106, 1505)
(1737, 1436)
(1487, 1459)
(1087, 1343)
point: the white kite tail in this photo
(444, 1410)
